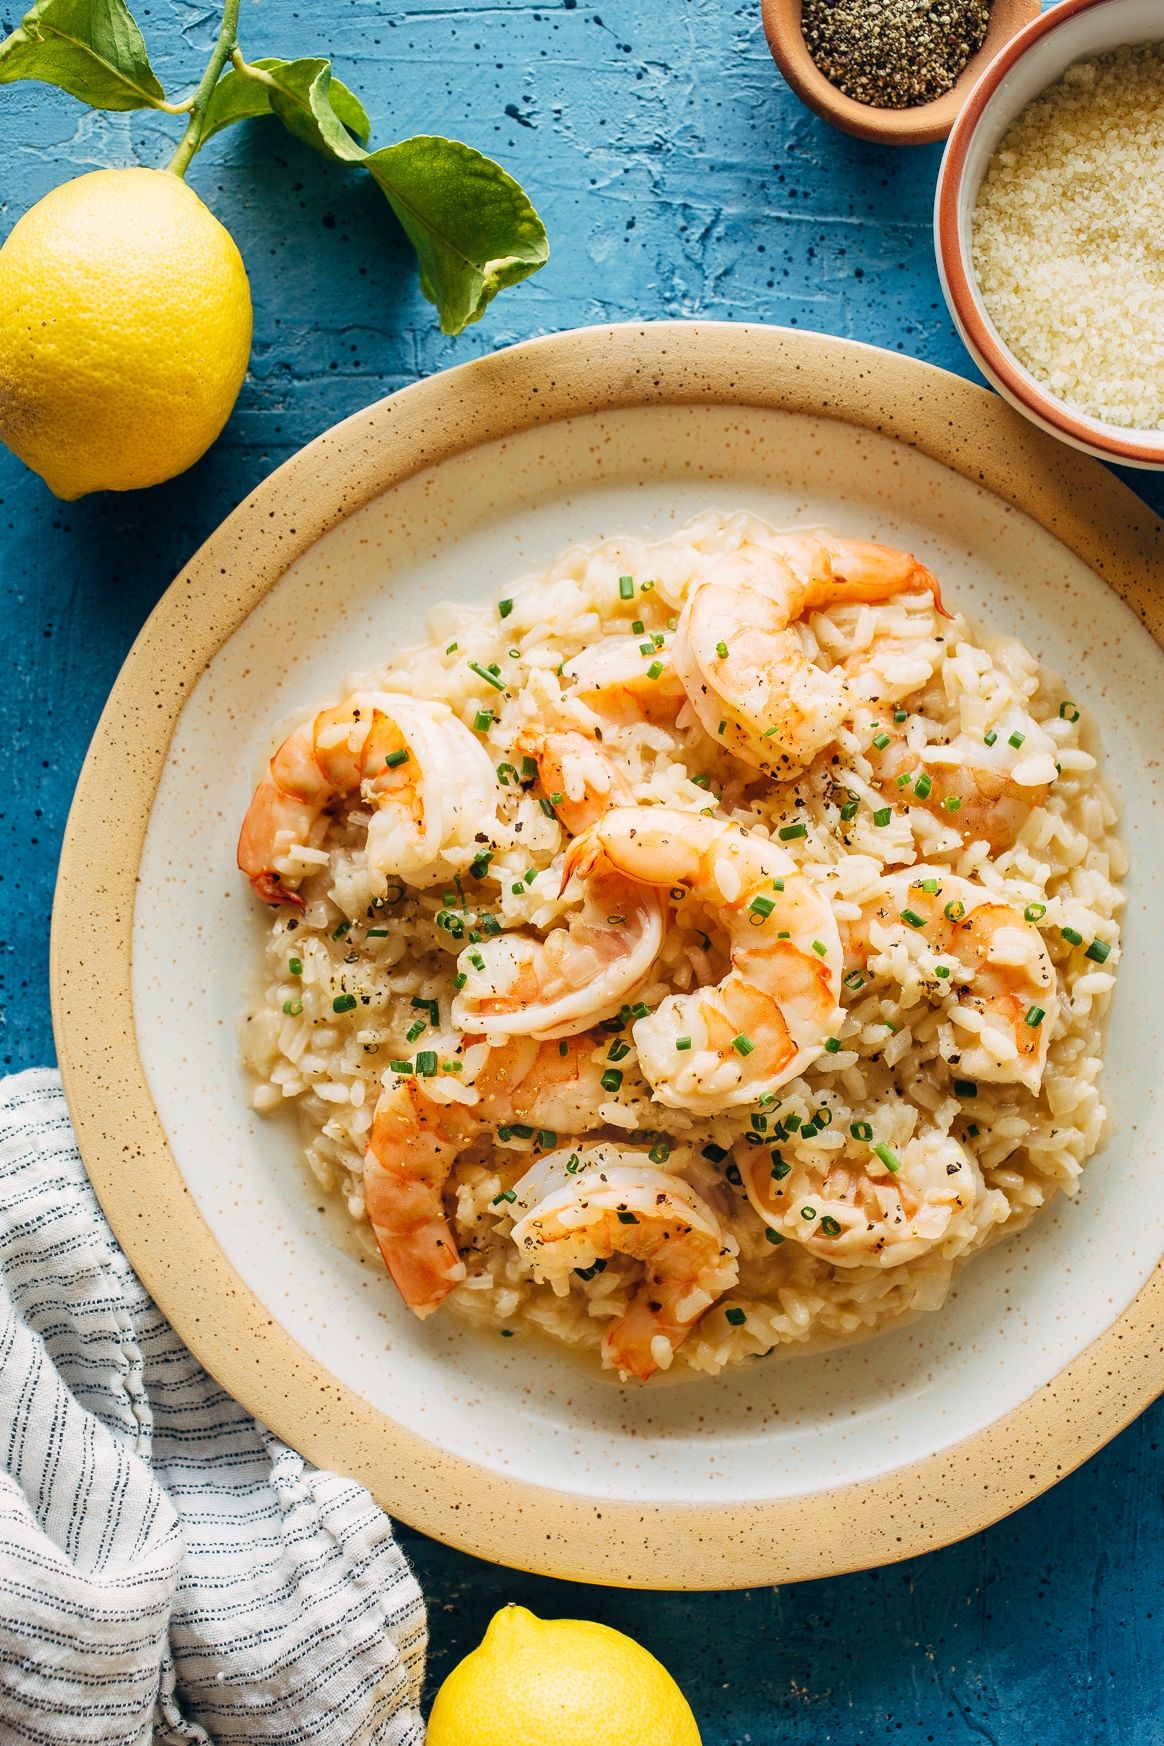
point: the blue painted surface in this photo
(677, 177)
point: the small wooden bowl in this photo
(920, 126)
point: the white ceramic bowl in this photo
(1035, 58)
(792, 1467)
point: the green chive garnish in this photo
(682, 1043)
(923, 786)
(414, 1031)
(426, 1063)
(789, 833)
(509, 1194)
(772, 1236)
(721, 651)
(736, 1316)
(1098, 952)
(900, 715)
(1034, 912)
(850, 809)
(546, 807)
(489, 678)
(965, 1088)
(819, 948)
(1016, 739)
(881, 741)
(460, 979)
(638, 627)
(452, 649)
(890, 1159)
(911, 916)
(942, 970)
(483, 721)
(989, 739)
(808, 1213)
(954, 911)
(953, 804)
(476, 960)
(741, 1044)
(404, 1067)
(344, 1003)
(395, 759)
(830, 1226)
(293, 1008)
(761, 907)
(611, 1079)
(627, 1218)
(505, 607)
(903, 781)
(832, 1045)
(854, 980)
(779, 1168)
(1071, 935)
(618, 1050)
(626, 588)
(654, 670)
(882, 816)
(659, 1154)
(1068, 711)
(556, 799)
(721, 727)
(295, 965)
(930, 886)
(861, 1131)
(1034, 1017)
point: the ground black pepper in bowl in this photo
(893, 54)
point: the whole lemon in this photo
(559, 1682)
(125, 327)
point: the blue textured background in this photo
(677, 176)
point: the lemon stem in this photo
(223, 49)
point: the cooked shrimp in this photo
(427, 779)
(416, 1140)
(581, 972)
(1002, 997)
(857, 1210)
(575, 1210)
(743, 665)
(771, 1016)
(973, 790)
(580, 779)
(627, 679)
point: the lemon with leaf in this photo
(125, 327)
(559, 1682)
(125, 315)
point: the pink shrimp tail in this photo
(269, 887)
(581, 857)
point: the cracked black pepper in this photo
(893, 54)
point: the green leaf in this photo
(90, 48)
(300, 84)
(472, 226)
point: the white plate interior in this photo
(1094, 32)
(519, 1406)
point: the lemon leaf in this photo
(472, 226)
(92, 49)
(239, 96)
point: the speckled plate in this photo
(796, 1466)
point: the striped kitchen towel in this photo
(169, 1570)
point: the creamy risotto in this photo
(702, 950)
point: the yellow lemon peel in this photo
(559, 1682)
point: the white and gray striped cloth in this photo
(169, 1570)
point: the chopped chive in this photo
(721, 727)
(942, 970)
(741, 1044)
(522, 1131)
(762, 907)
(715, 1154)
(785, 935)
(295, 965)
(854, 980)
(890, 1159)
(1034, 1017)
(546, 807)
(881, 741)
(618, 1050)
(736, 1316)
(654, 670)
(903, 781)
(611, 1079)
(973, 1131)
(515, 654)
(626, 588)
(678, 893)
(830, 1226)
(489, 678)
(733, 1175)
(426, 1063)
(789, 833)
(923, 786)
(377, 934)
(850, 810)
(820, 948)
(989, 739)
(658, 639)
(547, 1139)
(460, 979)
(861, 1131)
(638, 627)
(344, 1003)
(452, 1066)
(645, 587)
(721, 651)
(627, 1218)
(529, 769)
(778, 885)
(556, 799)
(483, 721)
(701, 781)
(900, 715)
(395, 759)
(832, 1045)
(1070, 934)
(1016, 739)
(573, 1165)
(808, 1213)
(954, 910)
(509, 1194)
(293, 1008)
(965, 1088)
(1098, 952)
(1034, 912)
(491, 925)
(476, 960)
(404, 1067)
(475, 936)
(517, 889)
(682, 1043)
(768, 732)
(882, 816)
(912, 918)
(760, 1123)
(1068, 711)
(640, 1009)
(503, 778)
(930, 886)
(344, 927)
(616, 921)
(414, 1031)
(952, 803)
(646, 648)
(771, 1235)
(505, 607)
(452, 649)
(659, 1154)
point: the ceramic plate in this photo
(512, 1448)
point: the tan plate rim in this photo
(911, 1510)
(920, 126)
